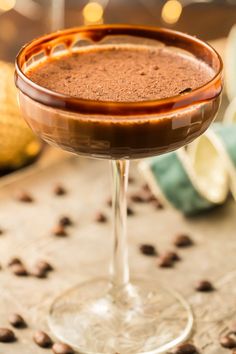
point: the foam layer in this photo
(122, 74)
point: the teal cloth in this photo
(227, 134)
(176, 185)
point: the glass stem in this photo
(119, 266)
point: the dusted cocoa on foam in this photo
(122, 74)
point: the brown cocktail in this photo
(119, 92)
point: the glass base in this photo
(94, 317)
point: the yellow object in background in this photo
(171, 11)
(18, 145)
(93, 13)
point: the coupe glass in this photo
(118, 315)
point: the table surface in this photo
(84, 254)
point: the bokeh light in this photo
(6, 5)
(93, 13)
(171, 11)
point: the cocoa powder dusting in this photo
(122, 74)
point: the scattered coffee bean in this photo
(17, 321)
(131, 179)
(44, 265)
(185, 348)
(1, 232)
(109, 202)
(61, 348)
(19, 270)
(100, 217)
(227, 342)
(148, 249)
(42, 339)
(59, 190)
(24, 197)
(172, 255)
(130, 211)
(59, 230)
(139, 198)
(14, 261)
(38, 272)
(158, 205)
(7, 335)
(151, 198)
(188, 89)
(65, 221)
(165, 262)
(182, 240)
(204, 286)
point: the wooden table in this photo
(86, 249)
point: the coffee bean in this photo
(65, 221)
(139, 198)
(38, 272)
(13, 261)
(172, 255)
(19, 270)
(1, 232)
(44, 265)
(100, 217)
(130, 211)
(204, 286)
(61, 348)
(151, 198)
(42, 339)
(148, 249)
(158, 205)
(182, 240)
(188, 89)
(59, 190)
(165, 262)
(156, 67)
(7, 335)
(131, 179)
(227, 342)
(24, 197)
(109, 202)
(185, 348)
(59, 230)
(17, 321)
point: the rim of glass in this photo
(53, 99)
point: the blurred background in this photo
(22, 20)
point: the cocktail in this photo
(119, 92)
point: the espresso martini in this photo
(119, 92)
(122, 73)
